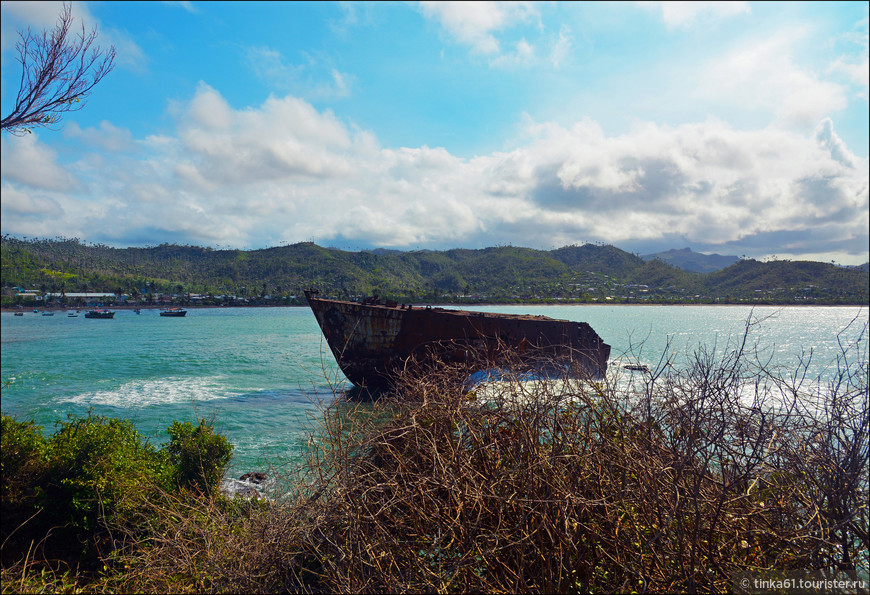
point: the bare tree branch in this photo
(58, 70)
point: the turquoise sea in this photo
(261, 373)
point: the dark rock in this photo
(254, 477)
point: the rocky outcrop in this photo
(250, 486)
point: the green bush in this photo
(100, 467)
(22, 470)
(198, 455)
(68, 493)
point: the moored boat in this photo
(174, 312)
(99, 313)
(372, 341)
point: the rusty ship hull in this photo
(371, 341)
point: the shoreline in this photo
(29, 309)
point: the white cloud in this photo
(107, 137)
(27, 161)
(286, 172)
(312, 80)
(687, 13)
(764, 76)
(827, 138)
(562, 47)
(855, 66)
(523, 55)
(18, 203)
(476, 24)
(857, 71)
(44, 15)
(705, 182)
(286, 138)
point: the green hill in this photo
(796, 279)
(498, 274)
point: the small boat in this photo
(174, 312)
(98, 313)
(637, 367)
(48, 313)
(137, 311)
(19, 313)
(72, 315)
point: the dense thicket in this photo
(506, 273)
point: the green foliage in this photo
(22, 470)
(97, 468)
(66, 493)
(199, 455)
(504, 273)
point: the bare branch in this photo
(58, 71)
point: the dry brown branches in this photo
(58, 70)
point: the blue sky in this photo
(728, 127)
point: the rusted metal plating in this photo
(371, 340)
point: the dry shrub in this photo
(582, 485)
(208, 544)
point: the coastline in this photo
(29, 309)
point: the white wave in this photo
(162, 391)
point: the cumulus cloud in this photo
(18, 203)
(830, 141)
(286, 138)
(27, 161)
(107, 137)
(285, 172)
(704, 182)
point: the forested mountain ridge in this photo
(505, 273)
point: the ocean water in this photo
(263, 373)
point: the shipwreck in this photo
(373, 341)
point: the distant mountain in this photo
(693, 261)
(379, 251)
